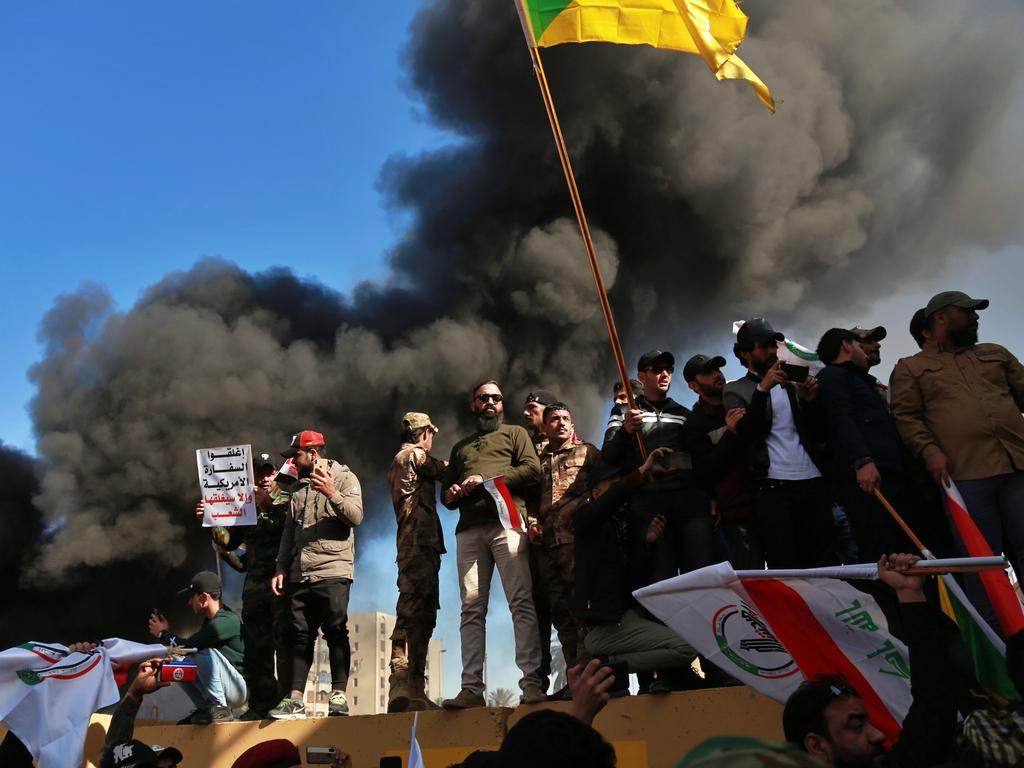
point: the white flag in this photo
(415, 756)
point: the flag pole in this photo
(925, 552)
(581, 219)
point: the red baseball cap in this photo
(307, 438)
(274, 752)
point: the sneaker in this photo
(660, 686)
(465, 700)
(532, 694)
(289, 709)
(214, 714)
(337, 705)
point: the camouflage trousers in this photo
(557, 571)
(268, 630)
(416, 612)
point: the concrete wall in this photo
(647, 731)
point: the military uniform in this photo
(563, 489)
(266, 624)
(541, 603)
(412, 482)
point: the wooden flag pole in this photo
(925, 552)
(588, 243)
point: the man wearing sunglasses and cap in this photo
(317, 555)
(412, 481)
(957, 405)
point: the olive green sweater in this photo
(507, 452)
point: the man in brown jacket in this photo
(412, 482)
(317, 554)
(957, 405)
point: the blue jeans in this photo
(217, 682)
(996, 504)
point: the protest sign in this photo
(226, 482)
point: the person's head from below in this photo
(757, 345)
(307, 446)
(703, 375)
(870, 340)
(549, 738)
(839, 346)
(952, 318)
(136, 754)
(654, 371)
(486, 404)
(918, 328)
(263, 470)
(203, 594)
(419, 430)
(827, 718)
(558, 426)
(619, 391)
(533, 409)
(275, 753)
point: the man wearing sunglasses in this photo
(686, 542)
(494, 450)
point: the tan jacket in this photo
(318, 530)
(965, 404)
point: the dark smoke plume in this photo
(888, 156)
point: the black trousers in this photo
(686, 543)
(321, 605)
(794, 520)
(873, 527)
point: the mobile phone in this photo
(620, 670)
(177, 672)
(676, 460)
(795, 373)
(320, 755)
(391, 761)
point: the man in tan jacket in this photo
(957, 405)
(317, 554)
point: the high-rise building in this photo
(370, 637)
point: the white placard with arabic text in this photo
(226, 480)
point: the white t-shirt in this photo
(787, 459)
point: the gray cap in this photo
(953, 299)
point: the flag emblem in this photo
(746, 640)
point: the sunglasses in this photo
(656, 370)
(484, 398)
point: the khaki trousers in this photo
(479, 549)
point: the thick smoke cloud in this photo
(890, 154)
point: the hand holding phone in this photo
(795, 373)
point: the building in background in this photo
(370, 636)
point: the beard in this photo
(762, 366)
(964, 337)
(488, 422)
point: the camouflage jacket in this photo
(563, 488)
(412, 481)
(261, 541)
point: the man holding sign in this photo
(485, 480)
(317, 555)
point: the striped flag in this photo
(997, 585)
(772, 630)
(508, 515)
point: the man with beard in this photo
(866, 450)
(828, 718)
(870, 340)
(957, 405)
(718, 460)
(782, 433)
(504, 452)
(533, 416)
(317, 554)
(686, 542)
(412, 481)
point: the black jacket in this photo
(754, 428)
(601, 593)
(664, 425)
(719, 461)
(859, 424)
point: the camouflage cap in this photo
(869, 334)
(414, 420)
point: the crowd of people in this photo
(785, 467)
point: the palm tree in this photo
(501, 697)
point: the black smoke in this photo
(887, 157)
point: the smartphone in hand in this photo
(795, 373)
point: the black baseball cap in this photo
(204, 581)
(755, 330)
(869, 334)
(655, 357)
(261, 460)
(953, 299)
(129, 754)
(701, 364)
(543, 397)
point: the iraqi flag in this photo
(1001, 593)
(774, 629)
(48, 694)
(508, 515)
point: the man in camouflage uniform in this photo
(412, 481)
(266, 623)
(564, 471)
